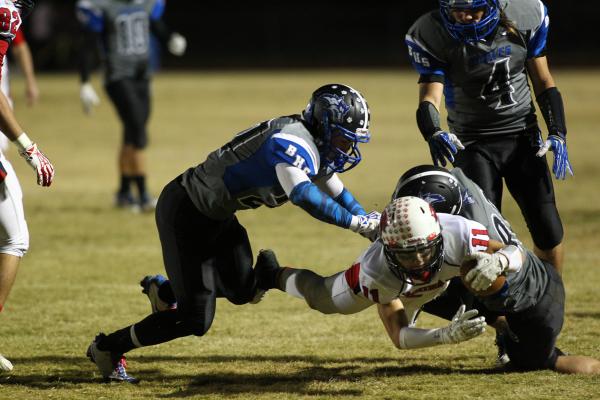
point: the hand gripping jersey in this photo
(485, 83)
(125, 29)
(370, 276)
(524, 287)
(241, 174)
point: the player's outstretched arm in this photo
(27, 149)
(464, 326)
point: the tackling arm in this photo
(333, 186)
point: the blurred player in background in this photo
(122, 29)
(206, 250)
(14, 236)
(532, 297)
(478, 54)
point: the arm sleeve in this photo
(307, 196)
(334, 187)
(87, 54)
(416, 338)
(91, 19)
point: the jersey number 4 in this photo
(498, 85)
(9, 22)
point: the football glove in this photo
(443, 145)
(558, 145)
(36, 159)
(372, 235)
(488, 269)
(366, 225)
(177, 44)
(89, 98)
(463, 326)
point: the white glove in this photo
(463, 327)
(177, 44)
(372, 235)
(366, 225)
(89, 98)
(36, 159)
(488, 269)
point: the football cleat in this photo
(112, 365)
(5, 365)
(150, 286)
(266, 270)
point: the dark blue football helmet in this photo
(470, 33)
(339, 117)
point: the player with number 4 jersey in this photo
(478, 55)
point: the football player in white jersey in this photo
(417, 254)
(14, 236)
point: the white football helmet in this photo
(412, 239)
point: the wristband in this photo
(22, 141)
(514, 258)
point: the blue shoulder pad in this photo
(537, 42)
(423, 61)
(90, 16)
(294, 151)
(158, 10)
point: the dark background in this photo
(265, 34)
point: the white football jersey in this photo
(372, 278)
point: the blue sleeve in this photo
(423, 61)
(346, 200)
(89, 17)
(158, 10)
(307, 196)
(293, 153)
(537, 42)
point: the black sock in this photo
(140, 182)
(125, 184)
(160, 327)
(118, 342)
(165, 293)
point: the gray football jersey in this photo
(125, 29)
(241, 174)
(485, 84)
(524, 287)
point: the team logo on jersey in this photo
(466, 197)
(337, 106)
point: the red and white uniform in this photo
(14, 235)
(371, 281)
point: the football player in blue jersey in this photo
(478, 55)
(122, 29)
(206, 251)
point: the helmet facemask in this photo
(412, 239)
(472, 32)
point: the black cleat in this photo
(267, 270)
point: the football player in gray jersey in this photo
(206, 251)
(532, 298)
(121, 28)
(477, 54)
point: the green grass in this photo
(86, 258)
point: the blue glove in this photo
(561, 165)
(443, 145)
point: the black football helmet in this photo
(339, 117)
(433, 184)
(24, 6)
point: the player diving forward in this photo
(418, 253)
(206, 251)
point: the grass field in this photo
(86, 258)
